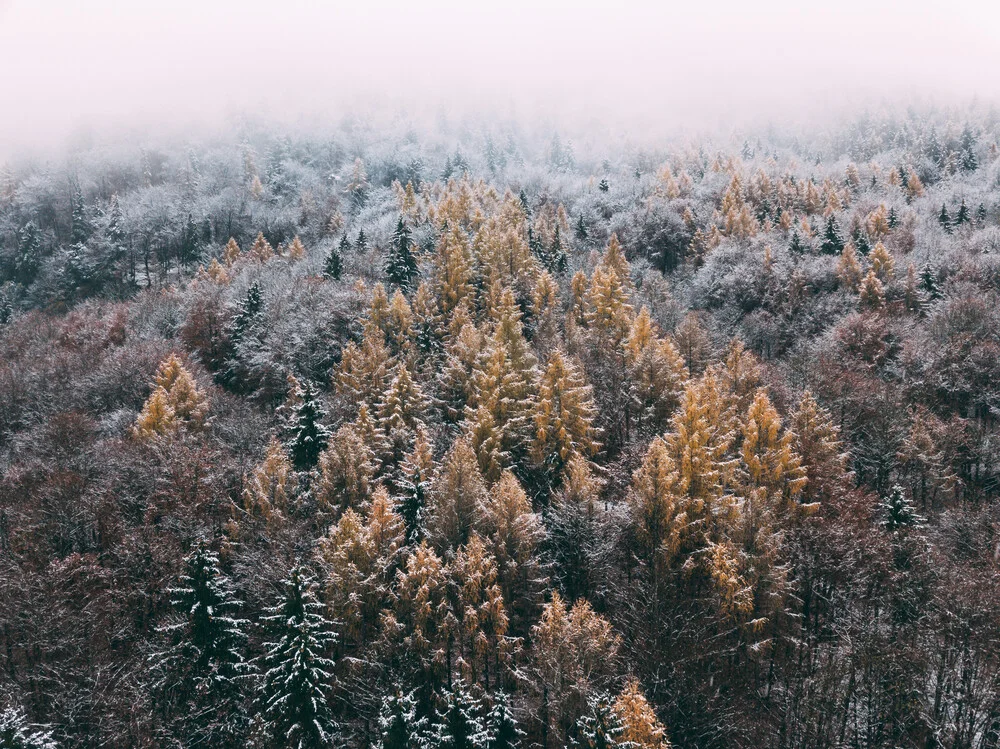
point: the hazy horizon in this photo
(108, 65)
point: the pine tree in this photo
(833, 242)
(601, 727)
(292, 698)
(333, 266)
(400, 263)
(17, 733)
(398, 724)
(202, 672)
(309, 435)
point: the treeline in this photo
(318, 443)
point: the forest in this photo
(488, 435)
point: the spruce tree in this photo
(333, 267)
(962, 217)
(398, 724)
(796, 247)
(897, 511)
(459, 726)
(502, 731)
(522, 196)
(81, 224)
(603, 185)
(944, 219)
(17, 733)
(833, 242)
(202, 671)
(248, 311)
(400, 263)
(361, 244)
(309, 435)
(601, 727)
(893, 218)
(556, 259)
(981, 214)
(581, 229)
(292, 697)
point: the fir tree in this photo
(981, 215)
(893, 218)
(555, 260)
(601, 727)
(333, 267)
(962, 217)
(603, 185)
(202, 671)
(796, 247)
(17, 733)
(897, 511)
(523, 197)
(414, 484)
(459, 726)
(400, 263)
(502, 731)
(361, 244)
(944, 219)
(82, 228)
(581, 229)
(833, 242)
(292, 698)
(309, 435)
(398, 724)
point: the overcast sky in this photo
(640, 65)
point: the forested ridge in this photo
(477, 437)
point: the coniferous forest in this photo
(483, 436)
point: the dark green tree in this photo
(309, 435)
(833, 241)
(293, 696)
(502, 731)
(459, 726)
(361, 244)
(400, 262)
(898, 511)
(796, 247)
(929, 283)
(17, 733)
(963, 216)
(333, 267)
(581, 229)
(202, 674)
(600, 728)
(944, 218)
(398, 724)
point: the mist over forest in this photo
(608, 404)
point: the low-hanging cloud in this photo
(647, 67)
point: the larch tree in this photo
(817, 441)
(515, 536)
(400, 412)
(346, 471)
(359, 556)
(270, 486)
(643, 730)
(157, 418)
(455, 504)
(563, 417)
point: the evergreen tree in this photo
(27, 260)
(417, 473)
(796, 247)
(601, 727)
(361, 244)
(893, 218)
(603, 185)
(400, 263)
(460, 725)
(962, 217)
(523, 197)
(309, 435)
(17, 733)
(898, 511)
(944, 219)
(398, 724)
(502, 731)
(581, 229)
(981, 215)
(292, 698)
(555, 259)
(82, 227)
(929, 283)
(202, 671)
(833, 242)
(333, 267)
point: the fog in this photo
(645, 68)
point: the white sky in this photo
(108, 63)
